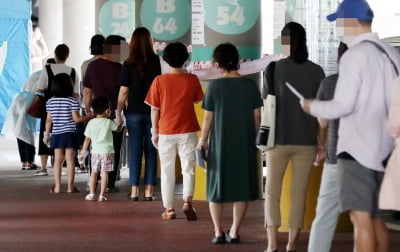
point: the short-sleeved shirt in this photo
(175, 94)
(99, 130)
(61, 109)
(102, 77)
(139, 84)
(293, 125)
(84, 67)
(57, 69)
(326, 92)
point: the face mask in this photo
(346, 39)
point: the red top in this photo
(175, 94)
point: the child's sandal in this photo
(90, 196)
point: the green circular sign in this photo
(167, 19)
(117, 17)
(231, 16)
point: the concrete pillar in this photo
(50, 23)
(77, 29)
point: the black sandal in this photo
(75, 190)
(218, 240)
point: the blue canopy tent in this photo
(14, 50)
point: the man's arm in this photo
(87, 98)
(346, 93)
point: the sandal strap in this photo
(90, 196)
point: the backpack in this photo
(50, 77)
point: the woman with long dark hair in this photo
(138, 72)
(296, 136)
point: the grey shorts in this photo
(358, 187)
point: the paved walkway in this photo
(32, 219)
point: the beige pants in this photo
(168, 146)
(302, 158)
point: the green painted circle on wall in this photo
(167, 20)
(117, 17)
(231, 16)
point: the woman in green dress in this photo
(231, 120)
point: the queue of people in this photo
(160, 120)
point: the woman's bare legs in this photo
(239, 212)
(148, 191)
(134, 191)
(292, 239)
(216, 210)
(272, 236)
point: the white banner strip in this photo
(206, 71)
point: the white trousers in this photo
(324, 224)
(168, 146)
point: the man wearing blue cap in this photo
(361, 101)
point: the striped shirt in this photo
(61, 109)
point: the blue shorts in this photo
(64, 140)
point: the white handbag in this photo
(265, 139)
(266, 135)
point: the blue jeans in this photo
(139, 142)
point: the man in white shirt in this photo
(361, 101)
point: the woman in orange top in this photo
(174, 126)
